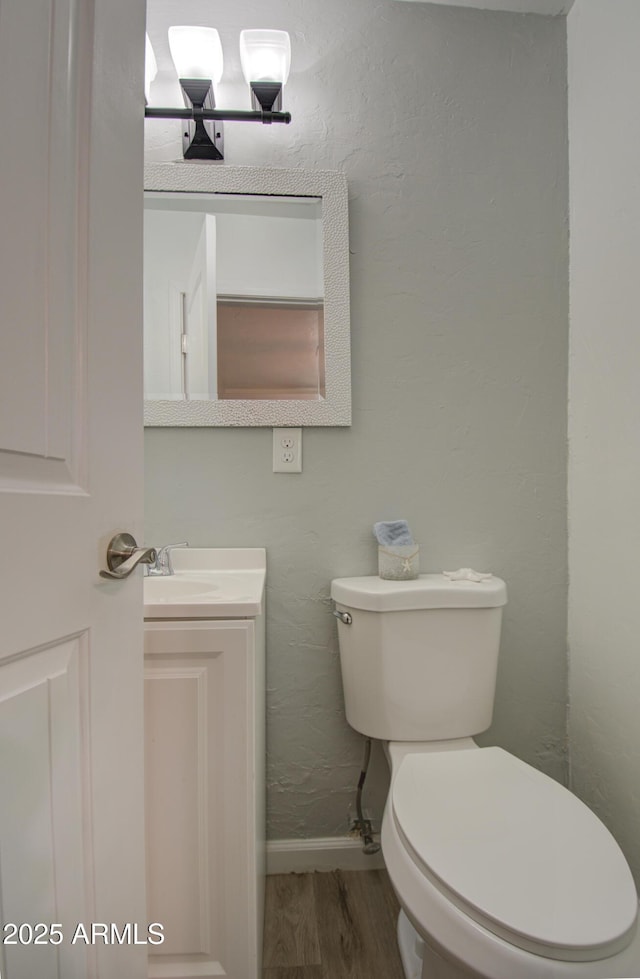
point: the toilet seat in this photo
(516, 852)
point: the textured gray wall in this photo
(451, 127)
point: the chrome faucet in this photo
(162, 564)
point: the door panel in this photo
(43, 732)
(200, 317)
(42, 199)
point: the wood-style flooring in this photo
(338, 925)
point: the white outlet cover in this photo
(287, 450)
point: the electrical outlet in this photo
(287, 450)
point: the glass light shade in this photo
(150, 66)
(196, 52)
(265, 56)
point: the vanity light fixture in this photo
(197, 56)
(265, 57)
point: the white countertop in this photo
(208, 583)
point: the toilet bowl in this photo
(501, 872)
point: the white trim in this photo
(322, 853)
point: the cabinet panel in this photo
(200, 797)
(180, 718)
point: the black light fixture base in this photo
(202, 139)
(266, 96)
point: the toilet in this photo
(501, 873)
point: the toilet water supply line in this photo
(364, 826)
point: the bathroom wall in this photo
(604, 413)
(450, 125)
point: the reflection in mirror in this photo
(246, 296)
(233, 297)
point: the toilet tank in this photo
(419, 658)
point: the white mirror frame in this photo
(335, 408)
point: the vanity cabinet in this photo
(204, 786)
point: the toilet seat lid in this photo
(516, 851)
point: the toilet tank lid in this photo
(374, 594)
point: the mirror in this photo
(246, 297)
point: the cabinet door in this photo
(199, 785)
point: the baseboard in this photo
(322, 853)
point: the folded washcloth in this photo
(393, 533)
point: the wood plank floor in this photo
(338, 925)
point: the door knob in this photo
(123, 555)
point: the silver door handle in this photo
(123, 555)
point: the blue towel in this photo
(393, 533)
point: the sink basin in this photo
(208, 583)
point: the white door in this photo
(71, 787)
(200, 318)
